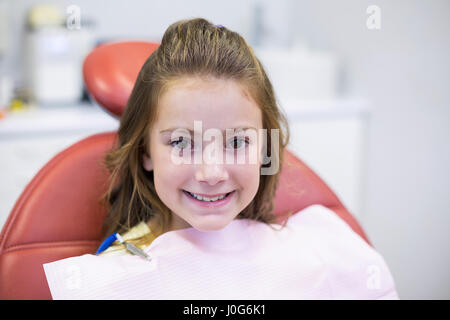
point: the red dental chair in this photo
(58, 215)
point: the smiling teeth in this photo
(201, 198)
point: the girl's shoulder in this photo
(320, 222)
(139, 231)
(353, 265)
(317, 214)
(328, 234)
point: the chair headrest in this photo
(110, 72)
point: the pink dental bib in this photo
(315, 256)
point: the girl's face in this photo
(192, 189)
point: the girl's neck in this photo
(155, 225)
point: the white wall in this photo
(148, 19)
(404, 70)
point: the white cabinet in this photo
(331, 138)
(30, 138)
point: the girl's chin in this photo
(210, 225)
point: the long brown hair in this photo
(188, 48)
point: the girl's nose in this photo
(211, 173)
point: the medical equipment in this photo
(129, 246)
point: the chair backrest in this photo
(110, 72)
(58, 215)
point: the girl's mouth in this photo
(209, 201)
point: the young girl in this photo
(192, 186)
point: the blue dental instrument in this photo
(129, 246)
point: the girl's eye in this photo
(238, 142)
(181, 143)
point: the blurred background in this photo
(364, 84)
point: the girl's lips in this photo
(209, 195)
(209, 204)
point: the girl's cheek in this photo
(247, 174)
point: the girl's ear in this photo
(147, 162)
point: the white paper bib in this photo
(315, 256)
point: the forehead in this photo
(217, 103)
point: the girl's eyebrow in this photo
(192, 131)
